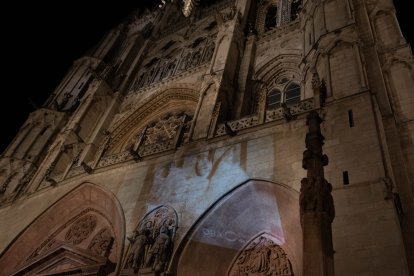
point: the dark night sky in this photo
(43, 41)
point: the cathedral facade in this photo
(180, 145)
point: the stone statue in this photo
(139, 242)
(158, 253)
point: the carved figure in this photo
(139, 243)
(157, 255)
(259, 261)
(262, 256)
(152, 241)
(286, 112)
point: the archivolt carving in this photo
(81, 229)
(152, 241)
(51, 240)
(101, 242)
(277, 68)
(135, 119)
(261, 257)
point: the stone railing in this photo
(271, 115)
(298, 108)
(156, 148)
(238, 124)
(114, 158)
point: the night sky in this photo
(43, 40)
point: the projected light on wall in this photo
(198, 180)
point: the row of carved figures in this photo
(161, 70)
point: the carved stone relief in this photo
(81, 229)
(261, 257)
(152, 241)
(79, 241)
(165, 134)
(101, 242)
(195, 54)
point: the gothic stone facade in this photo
(175, 148)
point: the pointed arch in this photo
(166, 101)
(68, 229)
(399, 79)
(255, 206)
(282, 66)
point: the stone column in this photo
(316, 205)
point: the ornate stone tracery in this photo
(195, 54)
(262, 256)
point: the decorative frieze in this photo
(194, 55)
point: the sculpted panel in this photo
(261, 257)
(152, 242)
(81, 229)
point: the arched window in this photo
(273, 99)
(284, 92)
(292, 94)
(271, 18)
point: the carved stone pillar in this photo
(316, 205)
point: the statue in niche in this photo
(139, 243)
(157, 254)
(152, 242)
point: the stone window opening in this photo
(292, 94)
(277, 13)
(295, 8)
(271, 18)
(273, 99)
(289, 94)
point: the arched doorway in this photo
(82, 232)
(256, 210)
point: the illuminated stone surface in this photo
(171, 112)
